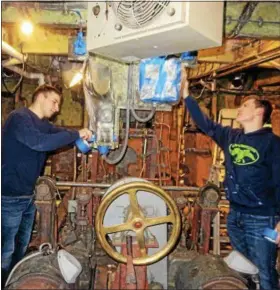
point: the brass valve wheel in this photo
(137, 222)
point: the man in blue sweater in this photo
(27, 136)
(252, 181)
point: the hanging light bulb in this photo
(76, 79)
(27, 27)
(79, 75)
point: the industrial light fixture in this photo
(27, 27)
(76, 79)
(78, 76)
(238, 80)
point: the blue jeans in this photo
(17, 216)
(246, 236)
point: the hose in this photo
(143, 120)
(14, 90)
(41, 252)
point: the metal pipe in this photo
(143, 171)
(29, 75)
(252, 92)
(199, 151)
(141, 135)
(242, 92)
(11, 61)
(13, 52)
(107, 185)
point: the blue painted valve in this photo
(85, 145)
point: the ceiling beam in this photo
(267, 82)
(242, 57)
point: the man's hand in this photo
(186, 91)
(85, 134)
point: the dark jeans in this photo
(245, 232)
(17, 216)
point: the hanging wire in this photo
(201, 93)
(14, 90)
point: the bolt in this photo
(138, 225)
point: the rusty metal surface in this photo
(62, 164)
(46, 219)
(105, 268)
(130, 157)
(207, 272)
(129, 276)
(224, 283)
(178, 258)
(45, 189)
(201, 227)
(84, 207)
(46, 223)
(39, 281)
(209, 195)
(38, 272)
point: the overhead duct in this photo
(13, 52)
(10, 61)
(131, 30)
(17, 59)
(28, 75)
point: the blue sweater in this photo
(25, 142)
(252, 161)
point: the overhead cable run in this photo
(244, 18)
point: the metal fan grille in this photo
(136, 14)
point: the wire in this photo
(14, 90)
(146, 119)
(78, 12)
(201, 93)
(40, 252)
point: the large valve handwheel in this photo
(137, 222)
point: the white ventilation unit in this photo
(139, 29)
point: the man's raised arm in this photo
(214, 130)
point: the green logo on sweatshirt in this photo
(243, 154)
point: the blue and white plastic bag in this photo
(160, 80)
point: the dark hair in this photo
(45, 89)
(266, 105)
(267, 109)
